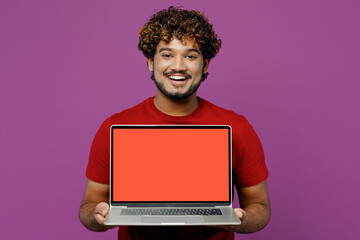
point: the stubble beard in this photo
(176, 95)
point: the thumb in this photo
(102, 209)
(240, 213)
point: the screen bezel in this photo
(171, 203)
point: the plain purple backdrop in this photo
(290, 67)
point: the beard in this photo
(176, 95)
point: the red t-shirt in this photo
(248, 161)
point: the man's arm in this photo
(254, 201)
(94, 206)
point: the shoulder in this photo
(222, 113)
(129, 115)
(240, 125)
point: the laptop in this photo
(170, 175)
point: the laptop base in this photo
(114, 218)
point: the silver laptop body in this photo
(170, 175)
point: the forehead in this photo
(177, 45)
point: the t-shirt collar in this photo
(175, 119)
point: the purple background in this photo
(291, 67)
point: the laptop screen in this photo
(170, 163)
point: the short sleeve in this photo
(98, 168)
(250, 168)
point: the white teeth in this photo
(177, 77)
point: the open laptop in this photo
(171, 175)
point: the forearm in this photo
(87, 217)
(257, 216)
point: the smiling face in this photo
(177, 68)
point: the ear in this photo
(206, 65)
(150, 63)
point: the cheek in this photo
(159, 67)
(198, 67)
(158, 71)
(198, 71)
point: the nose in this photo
(178, 64)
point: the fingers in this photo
(101, 210)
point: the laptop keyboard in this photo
(166, 211)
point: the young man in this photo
(179, 45)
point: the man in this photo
(179, 45)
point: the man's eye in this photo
(166, 55)
(192, 56)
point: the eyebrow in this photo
(170, 49)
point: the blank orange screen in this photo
(170, 165)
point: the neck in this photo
(173, 107)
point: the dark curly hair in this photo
(181, 24)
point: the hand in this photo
(240, 213)
(233, 228)
(101, 210)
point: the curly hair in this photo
(181, 24)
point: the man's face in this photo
(177, 68)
